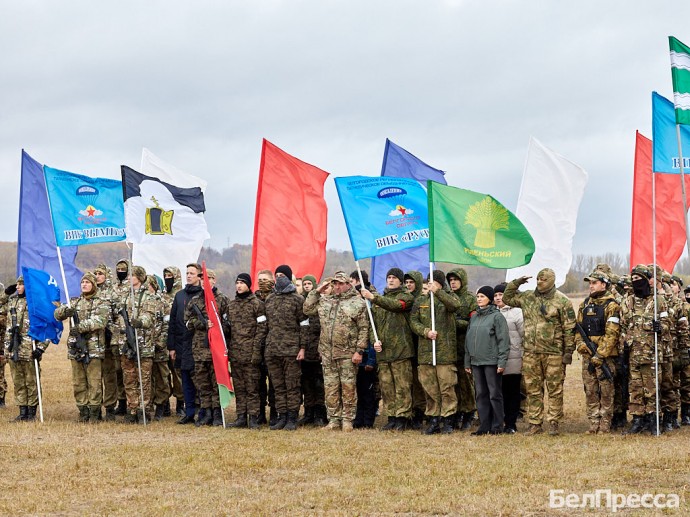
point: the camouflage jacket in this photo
(248, 328)
(418, 281)
(93, 318)
(144, 309)
(468, 304)
(287, 324)
(200, 346)
(114, 302)
(159, 331)
(312, 335)
(637, 315)
(678, 323)
(17, 304)
(344, 323)
(446, 304)
(607, 343)
(391, 317)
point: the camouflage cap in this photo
(677, 280)
(20, 280)
(598, 275)
(641, 270)
(625, 280)
(659, 271)
(340, 276)
(605, 268)
(666, 277)
(140, 273)
(89, 277)
(100, 268)
(151, 280)
(614, 278)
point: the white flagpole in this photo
(433, 315)
(371, 316)
(656, 336)
(38, 382)
(682, 186)
(136, 336)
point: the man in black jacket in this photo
(180, 340)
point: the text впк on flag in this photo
(680, 73)
(383, 214)
(84, 210)
(470, 228)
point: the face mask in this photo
(641, 287)
(169, 283)
(265, 285)
(121, 275)
(282, 282)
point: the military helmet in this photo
(678, 280)
(598, 275)
(641, 270)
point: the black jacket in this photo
(179, 336)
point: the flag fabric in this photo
(680, 73)
(383, 214)
(176, 230)
(36, 246)
(474, 229)
(216, 342)
(670, 220)
(42, 293)
(665, 137)
(399, 163)
(548, 203)
(290, 222)
(84, 210)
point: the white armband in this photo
(614, 319)
(663, 314)
(304, 323)
(261, 319)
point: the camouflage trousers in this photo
(681, 378)
(599, 393)
(111, 363)
(87, 382)
(204, 377)
(541, 370)
(667, 391)
(175, 381)
(3, 380)
(160, 379)
(464, 389)
(245, 379)
(642, 389)
(130, 374)
(439, 388)
(25, 385)
(340, 386)
(312, 384)
(395, 380)
(285, 374)
(418, 397)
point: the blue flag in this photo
(399, 163)
(41, 291)
(665, 139)
(383, 214)
(85, 210)
(36, 246)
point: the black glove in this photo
(74, 331)
(11, 289)
(656, 326)
(69, 312)
(137, 323)
(37, 354)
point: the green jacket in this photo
(391, 317)
(445, 305)
(488, 340)
(418, 282)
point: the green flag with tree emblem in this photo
(680, 72)
(474, 229)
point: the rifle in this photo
(15, 338)
(200, 315)
(593, 350)
(81, 347)
(130, 348)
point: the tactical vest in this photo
(594, 319)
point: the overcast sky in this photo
(461, 84)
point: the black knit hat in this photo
(244, 277)
(397, 273)
(487, 291)
(500, 288)
(286, 270)
(439, 277)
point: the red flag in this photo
(670, 222)
(291, 215)
(216, 342)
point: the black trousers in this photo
(366, 398)
(489, 397)
(511, 399)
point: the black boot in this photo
(217, 417)
(273, 416)
(685, 414)
(83, 413)
(110, 415)
(121, 408)
(166, 408)
(651, 424)
(23, 411)
(667, 422)
(417, 420)
(205, 417)
(638, 425)
(390, 425)
(467, 420)
(291, 421)
(433, 427)
(280, 421)
(320, 417)
(159, 414)
(447, 425)
(95, 414)
(674, 420)
(308, 417)
(186, 420)
(402, 424)
(240, 421)
(254, 422)
(179, 407)
(31, 413)
(262, 415)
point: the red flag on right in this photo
(290, 223)
(670, 220)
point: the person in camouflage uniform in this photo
(438, 381)
(549, 321)
(685, 372)
(312, 373)
(457, 280)
(246, 315)
(21, 355)
(141, 312)
(342, 343)
(87, 379)
(266, 391)
(414, 281)
(599, 317)
(285, 343)
(160, 371)
(173, 283)
(394, 348)
(121, 288)
(3, 359)
(204, 373)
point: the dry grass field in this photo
(61, 467)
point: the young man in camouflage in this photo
(343, 341)
(437, 380)
(638, 328)
(121, 288)
(549, 321)
(160, 371)
(414, 281)
(599, 318)
(21, 353)
(92, 313)
(247, 318)
(266, 392)
(685, 371)
(3, 359)
(205, 381)
(394, 348)
(173, 284)
(457, 280)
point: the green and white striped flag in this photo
(680, 71)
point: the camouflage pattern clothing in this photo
(3, 360)
(677, 347)
(175, 379)
(312, 372)
(160, 371)
(418, 397)
(111, 360)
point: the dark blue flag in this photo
(42, 292)
(399, 163)
(36, 246)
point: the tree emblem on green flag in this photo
(487, 216)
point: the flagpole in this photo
(38, 382)
(136, 337)
(656, 336)
(433, 315)
(371, 316)
(682, 186)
